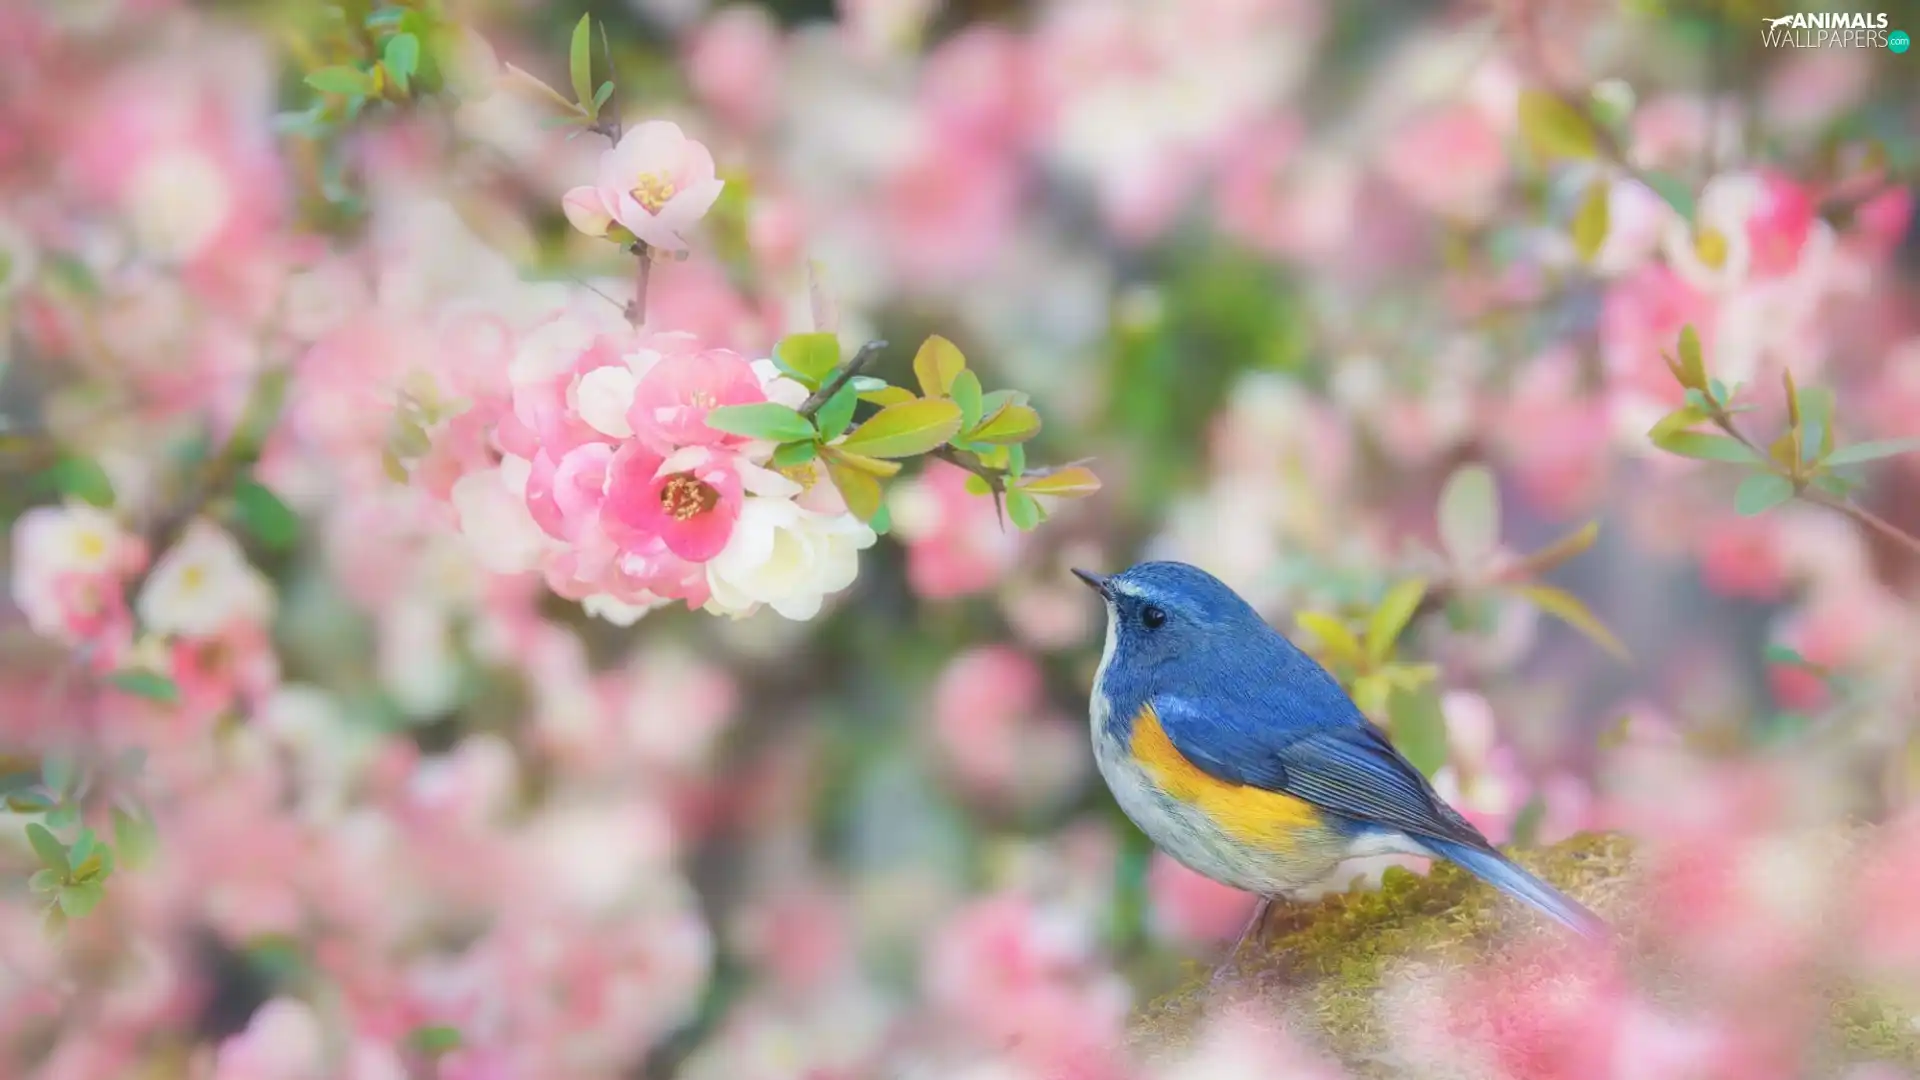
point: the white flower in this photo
(603, 396)
(177, 204)
(203, 585)
(1713, 252)
(55, 542)
(495, 520)
(786, 557)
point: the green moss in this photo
(1324, 963)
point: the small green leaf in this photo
(28, 802)
(434, 1040)
(264, 516)
(858, 488)
(867, 384)
(789, 455)
(81, 849)
(346, 81)
(1419, 728)
(1674, 190)
(966, 393)
(837, 413)
(55, 924)
(1693, 367)
(601, 95)
(768, 420)
(45, 881)
(884, 396)
(1339, 642)
(57, 772)
(882, 520)
(1592, 220)
(1392, 616)
(401, 57)
(1680, 419)
(1555, 129)
(1470, 514)
(810, 357)
(1706, 447)
(580, 61)
(83, 479)
(53, 853)
(1761, 492)
(151, 685)
(1013, 423)
(134, 837)
(1066, 482)
(936, 365)
(1776, 653)
(79, 900)
(1023, 510)
(1569, 609)
(1873, 451)
(906, 429)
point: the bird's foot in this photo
(1255, 925)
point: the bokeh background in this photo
(1327, 304)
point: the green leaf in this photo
(28, 802)
(858, 487)
(53, 853)
(56, 922)
(1680, 419)
(1761, 492)
(1569, 609)
(601, 95)
(151, 685)
(1066, 482)
(81, 849)
(882, 520)
(1693, 367)
(57, 772)
(788, 455)
(63, 815)
(906, 429)
(1023, 510)
(1592, 220)
(1706, 447)
(1873, 451)
(1776, 653)
(346, 81)
(1674, 190)
(966, 393)
(768, 420)
(78, 900)
(1012, 423)
(83, 479)
(1555, 129)
(810, 357)
(45, 881)
(936, 365)
(580, 61)
(134, 837)
(1338, 642)
(263, 515)
(887, 395)
(837, 413)
(1419, 728)
(401, 57)
(1470, 514)
(434, 1040)
(1392, 616)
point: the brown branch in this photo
(818, 399)
(1847, 507)
(643, 269)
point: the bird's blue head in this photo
(1168, 617)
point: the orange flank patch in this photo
(1251, 815)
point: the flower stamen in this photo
(685, 497)
(652, 191)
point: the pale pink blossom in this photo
(671, 402)
(655, 183)
(690, 500)
(955, 543)
(733, 63)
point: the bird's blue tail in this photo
(1502, 873)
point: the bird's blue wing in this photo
(1289, 727)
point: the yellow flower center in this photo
(652, 191)
(1711, 246)
(685, 497)
(193, 578)
(701, 399)
(91, 546)
(804, 475)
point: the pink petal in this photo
(702, 536)
(587, 211)
(685, 209)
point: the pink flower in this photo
(690, 500)
(670, 405)
(955, 544)
(733, 63)
(993, 735)
(565, 495)
(1451, 162)
(656, 183)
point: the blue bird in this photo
(1241, 757)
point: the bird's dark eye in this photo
(1152, 617)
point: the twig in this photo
(1860, 514)
(643, 269)
(818, 399)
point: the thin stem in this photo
(1860, 514)
(818, 399)
(643, 269)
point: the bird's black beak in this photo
(1096, 582)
